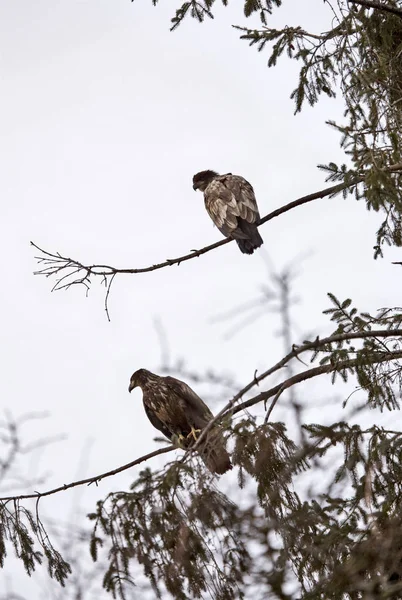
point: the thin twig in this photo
(108, 285)
(274, 401)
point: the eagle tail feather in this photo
(214, 454)
(253, 241)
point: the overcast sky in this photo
(106, 116)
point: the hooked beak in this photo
(131, 386)
(195, 187)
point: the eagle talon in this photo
(178, 439)
(193, 433)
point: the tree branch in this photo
(229, 410)
(309, 374)
(69, 268)
(378, 6)
(90, 480)
(71, 272)
(296, 351)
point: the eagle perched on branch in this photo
(231, 204)
(176, 410)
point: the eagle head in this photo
(137, 379)
(202, 179)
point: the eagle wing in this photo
(198, 413)
(213, 451)
(157, 423)
(165, 410)
(229, 198)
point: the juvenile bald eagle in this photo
(176, 410)
(231, 204)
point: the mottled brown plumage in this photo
(177, 411)
(231, 204)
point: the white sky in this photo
(105, 117)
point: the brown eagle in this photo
(231, 204)
(176, 410)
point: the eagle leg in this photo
(193, 433)
(178, 440)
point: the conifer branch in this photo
(378, 6)
(296, 351)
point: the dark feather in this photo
(197, 411)
(231, 204)
(157, 423)
(253, 241)
(175, 409)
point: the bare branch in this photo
(304, 376)
(56, 264)
(90, 480)
(14, 448)
(71, 272)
